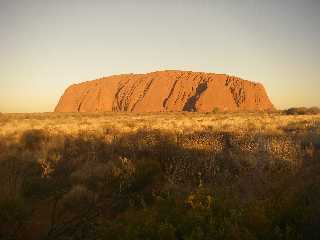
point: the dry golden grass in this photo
(102, 163)
(73, 123)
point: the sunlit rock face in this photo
(165, 91)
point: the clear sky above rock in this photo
(47, 45)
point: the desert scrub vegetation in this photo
(302, 111)
(159, 176)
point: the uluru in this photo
(163, 91)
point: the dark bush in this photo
(302, 111)
(32, 139)
(14, 213)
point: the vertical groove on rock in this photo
(82, 99)
(143, 94)
(165, 102)
(99, 105)
(190, 105)
(237, 89)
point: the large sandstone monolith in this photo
(165, 91)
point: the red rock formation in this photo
(165, 91)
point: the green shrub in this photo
(216, 110)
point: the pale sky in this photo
(46, 45)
